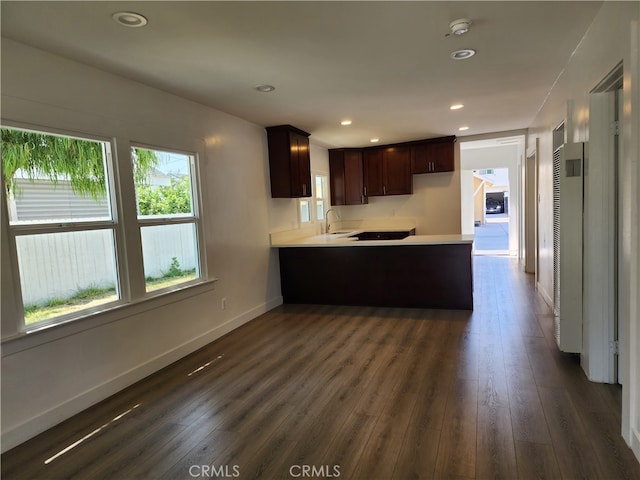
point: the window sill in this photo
(36, 336)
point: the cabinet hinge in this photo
(614, 128)
(614, 347)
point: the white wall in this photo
(612, 37)
(434, 204)
(50, 375)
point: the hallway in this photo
(369, 393)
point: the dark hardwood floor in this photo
(357, 392)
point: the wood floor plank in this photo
(527, 415)
(615, 458)
(348, 444)
(433, 391)
(164, 457)
(457, 449)
(203, 452)
(495, 456)
(417, 457)
(543, 365)
(379, 457)
(574, 452)
(536, 461)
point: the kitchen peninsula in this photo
(426, 271)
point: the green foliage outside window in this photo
(165, 199)
(81, 162)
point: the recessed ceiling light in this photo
(457, 106)
(462, 129)
(265, 88)
(129, 19)
(462, 54)
(345, 122)
(374, 140)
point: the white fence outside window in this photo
(58, 266)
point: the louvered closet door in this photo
(556, 232)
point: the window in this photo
(320, 195)
(61, 221)
(311, 209)
(305, 211)
(66, 240)
(166, 216)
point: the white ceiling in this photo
(384, 65)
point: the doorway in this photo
(491, 212)
(491, 176)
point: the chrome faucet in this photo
(326, 219)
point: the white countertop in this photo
(343, 240)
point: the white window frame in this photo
(313, 200)
(195, 218)
(126, 233)
(325, 197)
(301, 218)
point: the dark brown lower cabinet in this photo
(426, 276)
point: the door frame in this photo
(600, 356)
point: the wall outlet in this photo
(223, 303)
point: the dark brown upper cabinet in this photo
(387, 171)
(346, 177)
(433, 156)
(289, 162)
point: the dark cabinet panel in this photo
(433, 156)
(354, 181)
(373, 172)
(289, 162)
(397, 171)
(336, 177)
(346, 177)
(387, 171)
(422, 276)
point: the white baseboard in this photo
(635, 443)
(545, 296)
(53, 416)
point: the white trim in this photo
(62, 411)
(635, 443)
(600, 237)
(545, 296)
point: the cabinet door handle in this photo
(362, 199)
(365, 191)
(304, 189)
(384, 190)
